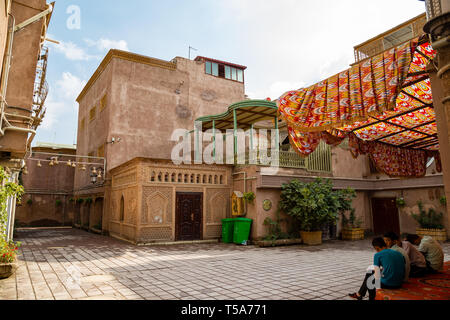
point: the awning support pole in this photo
(251, 136)
(197, 145)
(235, 133)
(214, 139)
(277, 136)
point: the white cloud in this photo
(72, 51)
(290, 41)
(106, 44)
(61, 102)
(276, 89)
(70, 86)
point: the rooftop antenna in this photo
(191, 48)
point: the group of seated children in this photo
(400, 260)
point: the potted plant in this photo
(58, 203)
(29, 202)
(88, 201)
(8, 263)
(430, 223)
(249, 197)
(276, 236)
(80, 201)
(443, 200)
(351, 227)
(401, 203)
(314, 205)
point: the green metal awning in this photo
(241, 115)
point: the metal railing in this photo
(318, 161)
(405, 32)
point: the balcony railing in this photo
(318, 161)
(406, 31)
(40, 88)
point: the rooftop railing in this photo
(402, 33)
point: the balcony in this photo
(319, 161)
(404, 32)
(40, 89)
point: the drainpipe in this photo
(7, 66)
(33, 19)
(245, 184)
(14, 28)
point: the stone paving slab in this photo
(66, 264)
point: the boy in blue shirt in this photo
(392, 266)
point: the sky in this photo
(286, 44)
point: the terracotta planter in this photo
(353, 234)
(8, 269)
(436, 234)
(311, 238)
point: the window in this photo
(215, 69)
(82, 124)
(208, 67)
(224, 71)
(233, 74)
(103, 103)
(92, 113)
(227, 72)
(240, 75)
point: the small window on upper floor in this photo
(224, 71)
(227, 72)
(82, 124)
(103, 103)
(92, 113)
(214, 69)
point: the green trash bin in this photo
(242, 230)
(227, 230)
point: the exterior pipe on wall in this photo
(4, 82)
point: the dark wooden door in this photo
(385, 216)
(189, 216)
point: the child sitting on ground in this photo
(392, 264)
(431, 249)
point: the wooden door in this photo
(189, 216)
(385, 216)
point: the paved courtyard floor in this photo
(67, 264)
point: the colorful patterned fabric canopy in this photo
(384, 105)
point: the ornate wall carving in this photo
(125, 178)
(130, 204)
(150, 234)
(193, 175)
(214, 231)
(156, 206)
(217, 205)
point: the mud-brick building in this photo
(23, 86)
(48, 200)
(128, 112)
(132, 105)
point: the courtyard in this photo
(66, 264)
